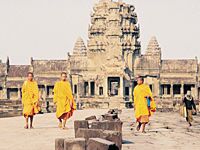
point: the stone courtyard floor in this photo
(167, 131)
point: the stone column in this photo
(45, 91)
(105, 88)
(5, 95)
(121, 87)
(159, 89)
(172, 90)
(165, 90)
(96, 90)
(78, 96)
(182, 90)
(196, 91)
(89, 89)
(130, 91)
(19, 92)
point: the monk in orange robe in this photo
(63, 98)
(30, 96)
(144, 104)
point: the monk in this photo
(30, 97)
(63, 99)
(144, 104)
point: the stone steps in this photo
(10, 108)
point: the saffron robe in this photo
(142, 111)
(30, 96)
(63, 98)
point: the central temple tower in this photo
(105, 70)
(114, 32)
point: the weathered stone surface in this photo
(91, 118)
(75, 144)
(110, 117)
(59, 144)
(107, 125)
(114, 111)
(165, 109)
(100, 144)
(113, 136)
(80, 124)
(9, 108)
(88, 133)
(45, 131)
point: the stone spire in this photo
(79, 47)
(153, 46)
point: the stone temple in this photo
(102, 72)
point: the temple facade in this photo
(103, 71)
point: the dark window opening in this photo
(188, 87)
(100, 90)
(166, 89)
(50, 90)
(113, 85)
(126, 91)
(86, 88)
(92, 88)
(75, 89)
(176, 89)
(12, 93)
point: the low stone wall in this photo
(169, 105)
(12, 108)
(104, 133)
(9, 108)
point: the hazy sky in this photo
(48, 29)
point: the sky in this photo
(48, 29)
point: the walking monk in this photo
(144, 104)
(63, 98)
(30, 97)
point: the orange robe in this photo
(63, 98)
(142, 112)
(30, 96)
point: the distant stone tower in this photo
(153, 53)
(150, 62)
(153, 47)
(78, 60)
(79, 48)
(113, 32)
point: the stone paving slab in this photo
(167, 131)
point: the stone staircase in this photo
(10, 108)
